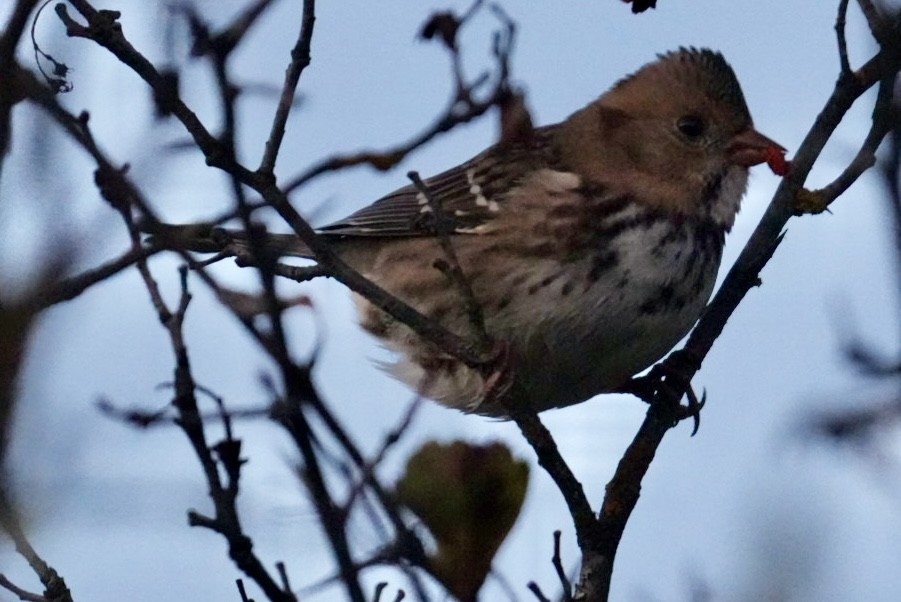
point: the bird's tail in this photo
(206, 238)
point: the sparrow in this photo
(591, 245)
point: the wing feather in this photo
(470, 194)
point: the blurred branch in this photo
(299, 393)
(104, 29)
(639, 6)
(17, 324)
(143, 419)
(464, 106)
(10, 92)
(892, 173)
(55, 589)
(221, 44)
(299, 402)
(862, 423)
(70, 288)
(226, 521)
(14, 30)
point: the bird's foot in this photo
(667, 382)
(497, 373)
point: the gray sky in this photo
(742, 506)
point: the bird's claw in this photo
(692, 409)
(666, 383)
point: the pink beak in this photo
(750, 147)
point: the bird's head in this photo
(677, 134)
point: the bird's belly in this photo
(583, 337)
(614, 341)
(574, 328)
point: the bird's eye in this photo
(691, 126)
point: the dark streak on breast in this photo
(600, 263)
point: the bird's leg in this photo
(497, 373)
(667, 382)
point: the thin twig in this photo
(390, 440)
(148, 418)
(840, 21)
(104, 27)
(300, 58)
(557, 561)
(549, 457)
(70, 288)
(866, 156)
(55, 588)
(744, 273)
(379, 589)
(21, 593)
(533, 587)
(452, 268)
(289, 413)
(242, 591)
(462, 107)
(283, 575)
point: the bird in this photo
(591, 246)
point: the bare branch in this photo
(11, 92)
(557, 561)
(840, 21)
(549, 457)
(242, 591)
(539, 595)
(462, 108)
(817, 201)
(104, 29)
(623, 489)
(21, 593)
(298, 273)
(70, 288)
(13, 31)
(300, 58)
(744, 273)
(55, 589)
(451, 267)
